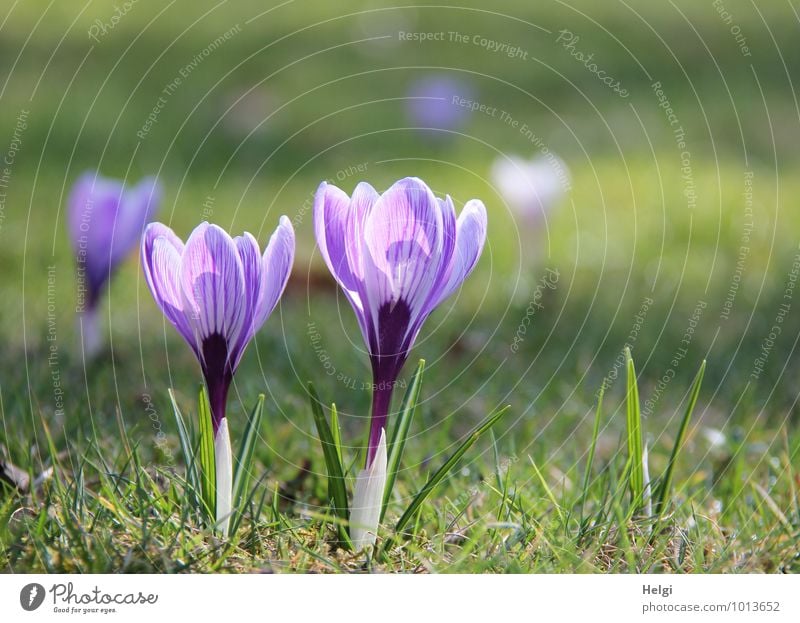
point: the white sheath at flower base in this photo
(89, 329)
(224, 464)
(368, 499)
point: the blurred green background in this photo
(298, 92)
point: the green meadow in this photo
(677, 238)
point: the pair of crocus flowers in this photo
(396, 256)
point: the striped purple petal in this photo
(276, 265)
(217, 291)
(469, 240)
(403, 257)
(213, 286)
(162, 251)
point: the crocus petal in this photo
(331, 210)
(79, 205)
(93, 208)
(250, 257)
(161, 261)
(361, 204)
(213, 286)
(449, 230)
(470, 238)
(276, 267)
(368, 499)
(137, 208)
(404, 241)
(223, 458)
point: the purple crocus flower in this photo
(217, 291)
(105, 220)
(430, 103)
(396, 256)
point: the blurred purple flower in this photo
(430, 103)
(396, 256)
(217, 291)
(105, 221)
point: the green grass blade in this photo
(208, 466)
(336, 485)
(634, 433)
(336, 433)
(448, 466)
(51, 448)
(666, 482)
(587, 474)
(244, 463)
(400, 433)
(547, 489)
(187, 449)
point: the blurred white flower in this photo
(531, 187)
(716, 438)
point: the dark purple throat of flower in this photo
(389, 348)
(96, 275)
(218, 375)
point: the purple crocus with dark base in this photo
(105, 220)
(217, 291)
(396, 256)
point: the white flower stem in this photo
(224, 466)
(89, 329)
(368, 499)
